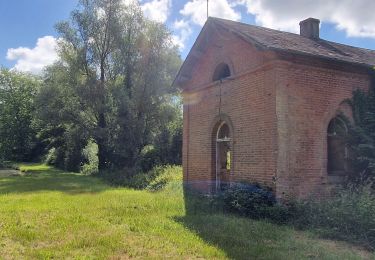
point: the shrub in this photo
(249, 200)
(90, 153)
(163, 176)
(349, 215)
(50, 157)
(149, 157)
(153, 180)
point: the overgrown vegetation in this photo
(362, 134)
(152, 180)
(348, 215)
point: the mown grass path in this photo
(50, 214)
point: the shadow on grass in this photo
(246, 238)
(238, 237)
(51, 180)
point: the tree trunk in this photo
(102, 138)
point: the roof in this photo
(269, 39)
(279, 40)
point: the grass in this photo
(53, 214)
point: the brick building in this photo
(266, 106)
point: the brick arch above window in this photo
(218, 121)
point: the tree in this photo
(17, 136)
(111, 85)
(88, 43)
(146, 96)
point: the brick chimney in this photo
(309, 28)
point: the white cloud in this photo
(184, 31)
(157, 10)
(196, 10)
(356, 18)
(34, 60)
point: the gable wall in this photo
(248, 100)
(225, 47)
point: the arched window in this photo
(223, 156)
(222, 71)
(223, 147)
(337, 147)
(223, 132)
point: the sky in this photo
(28, 38)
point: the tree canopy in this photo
(17, 93)
(111, 88)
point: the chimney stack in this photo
(310, 28)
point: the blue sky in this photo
(28, 37)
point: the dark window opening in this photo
(337, 147)
(222, 71)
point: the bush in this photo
(149, 157)
(153, 180)
(349, 215)
(163, 176)
(249, 200)
(90, 153)
(50, 157)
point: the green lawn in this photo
(46, 213)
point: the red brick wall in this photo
(247, 100)
(279, 112)
(308, 97)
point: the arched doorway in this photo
(337, 148)
(223, 157)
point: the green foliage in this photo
(248, 200)
(153, 180)
(163, 176)
(111, 85)
(346, 216)
(349, 215)
(168, 143)
(362, 134)
(65, 147)
(50, 157)
(90, 152)
(17, 134)
(149, 158)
